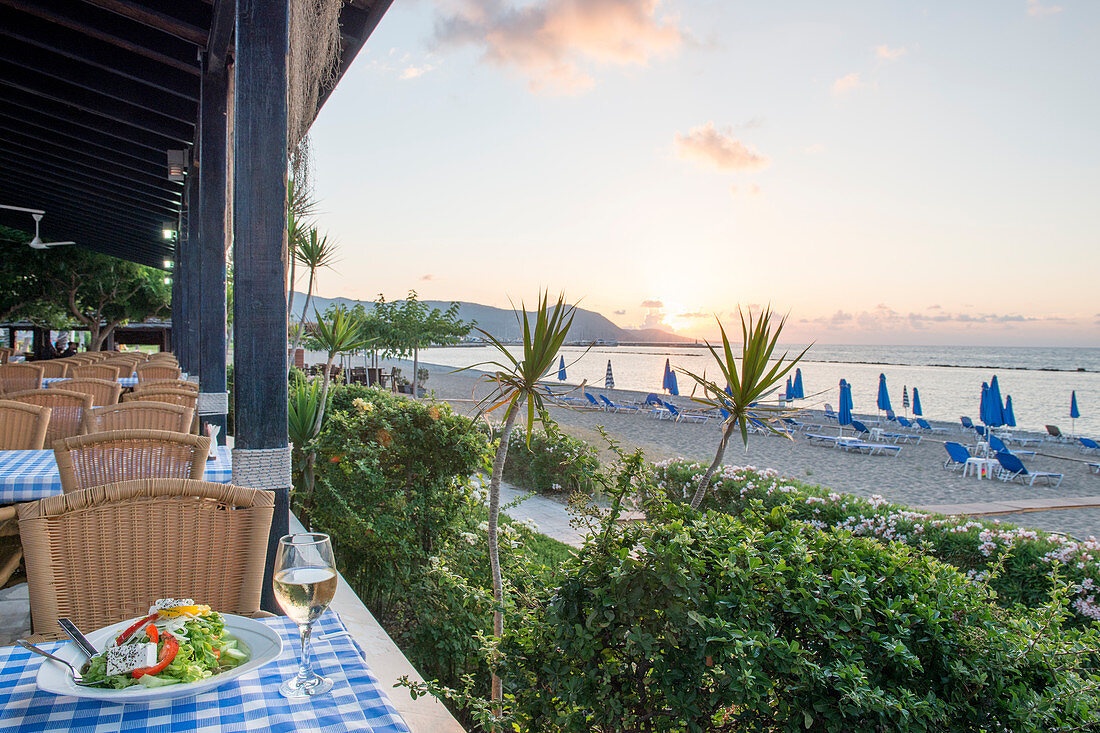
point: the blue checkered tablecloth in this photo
(124, 381)
(252, 702)
(29, 475)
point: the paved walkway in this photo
(1015, 506)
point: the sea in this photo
(1040, 380)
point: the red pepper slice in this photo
(137, 625)
(167, 654)
(152, 633)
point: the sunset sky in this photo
(887, 172)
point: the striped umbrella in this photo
(609, 378)
(905, 397)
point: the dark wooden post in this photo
(177, 299)
(191, 287)
(261, 455)
(213, 403)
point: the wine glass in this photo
(305, 582)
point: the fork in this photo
(77, 677)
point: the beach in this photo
(915, 476)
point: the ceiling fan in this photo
(37, 215)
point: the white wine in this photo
(304, 593)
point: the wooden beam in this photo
(189, 241)
(165, 50)
(259, 256)
(107, 212)
(213, 134)
(156, 20)
(110, 198)
(87, 175)
(221, 34)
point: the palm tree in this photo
(514, 384)
(740, 398)
(300, 207)
(314, 251)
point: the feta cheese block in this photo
(164, 603)
(128, 657)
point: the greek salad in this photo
(179, 641)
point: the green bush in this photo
(553, 462)
(391, 488)
(972, 546)
(707, 622)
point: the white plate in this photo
(264, 645)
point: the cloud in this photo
(707, 145)
(429, 276)
(885, 53)
(652, 304)
(847, 83)
(935, 307)
(753, 124)
(551, 42)
(412, 72)
(620, 312)
(885, 318)
(1035, 8)
(815, 149)
(694, 314)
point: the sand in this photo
(915, 477)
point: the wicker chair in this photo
(23, 426)
(123, 455)
(5, 354)
(54, 368)
(104, 371)
(102, 391)
(68, 410)
(18, 377)
(158, 386)
(192, 539)
(157, 373)
(140, 415)
(171, 395)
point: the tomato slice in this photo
(167, 654)
(137, 625)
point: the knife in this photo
(74, 633)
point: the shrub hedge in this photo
(551, 462)
(971, 545)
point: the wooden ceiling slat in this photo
(88, 174)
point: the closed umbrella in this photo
(673, 389)
(609, 378)
(561, 370)
(844, 416)
(1010, 416)
(799, 393)
(996, 404)
(1074, 413)
(883, 394)
(667, 376)
(790, 390)
(916, 403)
(905, 397)
(983, 406)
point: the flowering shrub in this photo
(554, 462)
(392, 486)
(759, 622)
(972, 546)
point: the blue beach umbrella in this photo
(996, 404)
(883, 394)
(673, 389)
(983, 406)
(799, 393)
(609, 378)
(844, 416)
(1074, 413)
(1010, 416)
(790, 389)
(561, 370)
(916, 403)
(667, 376)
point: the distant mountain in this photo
(501, 322)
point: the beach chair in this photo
(593, 402)
(1088, 445)
(1094, 466)
(905, 423)
(926, 426)
(998, 446)
(830, 439)
(967, 423)
(1013, 468)
(957, 456)
(891, 416)
(680, 416)
(614, 407)
(794, 425)
(830, 414)
(1055, 432)
(860, 428)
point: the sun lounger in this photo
(1055, 432)
(1094, 466)
(794, 424)
(904, 422)
(997, 446)
(967, 423)
(680, 416)
(925, 425)
(1088, 445)
(593, 402)
(855, 444)
(832, 439)
(615, 407)
(829, 414)
(957, 456)
(1024, 440)
(1012, 468)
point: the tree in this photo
(740, 399)
(314, 251)
(406, 326)
(21, 286)
(513, 384)
(102, 292)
